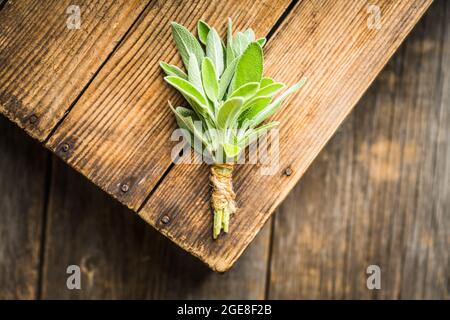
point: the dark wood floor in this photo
(378, 194)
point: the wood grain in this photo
(378, 193)
(330, 43)
(44, 65)
(119, 131)
(23, 169)
(120, 257)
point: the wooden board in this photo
(44, 65)
(378, 194)
(339, 199)
(329, 42)
(120, 257)
(119, 131)
(23, 170)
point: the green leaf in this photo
(266, 81)
(240, 43)
(271, 108)
(250, 66)
(185, 120)
(194, 97)
(203, 30)
(246, 91)
(172, 70)
(186, 43)
(214, 50)
(250, 34)
(270, 90)
(228, 112)
(253, 107)
(261, 41)
(253, 134)
(210, 82)
(230, 56)
(226, 78)
(194, 75)
(231, 150)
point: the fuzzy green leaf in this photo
(228, 112)
(240, 43)
(266, 81)
(210, 82)
(214, 50)
(231, 150)
(250, 34)
(203, 30)
(270, 90)
(230, 56)
(253, 107)
(194, 97)
(246, 91)
(172, 70)
(250, 66)
(261, 41)
(194, 75)
(253, 134)
(186, 43)
(271, 108)
(226, 78)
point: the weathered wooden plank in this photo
(379, 193)
(118, 133)
(23, 166)
(44, 65)
(328, 41)
(120, 257)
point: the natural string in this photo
(221, 180)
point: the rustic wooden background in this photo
(379, 193)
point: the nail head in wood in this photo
(65, 147)
(288, 171)
(165, 219)
(33, 119)
(125, 187)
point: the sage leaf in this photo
(231, 150)
(240, 43)
(250, 66)
(194, 75)
(214, 50)
(271, 108)
(270, 90)
(253, 107)
(189, 91)
(253, 134)
(203, 30)
(261, 41)
(172, 70)
(186, 43)
(226, 78)
(230, 56)
(250, 34)
(210, 82)
(228, 112)
(246, 91)
(266, 81)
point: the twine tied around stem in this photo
(222, 197)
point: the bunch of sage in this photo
(229, 100)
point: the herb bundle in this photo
(229, 100)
